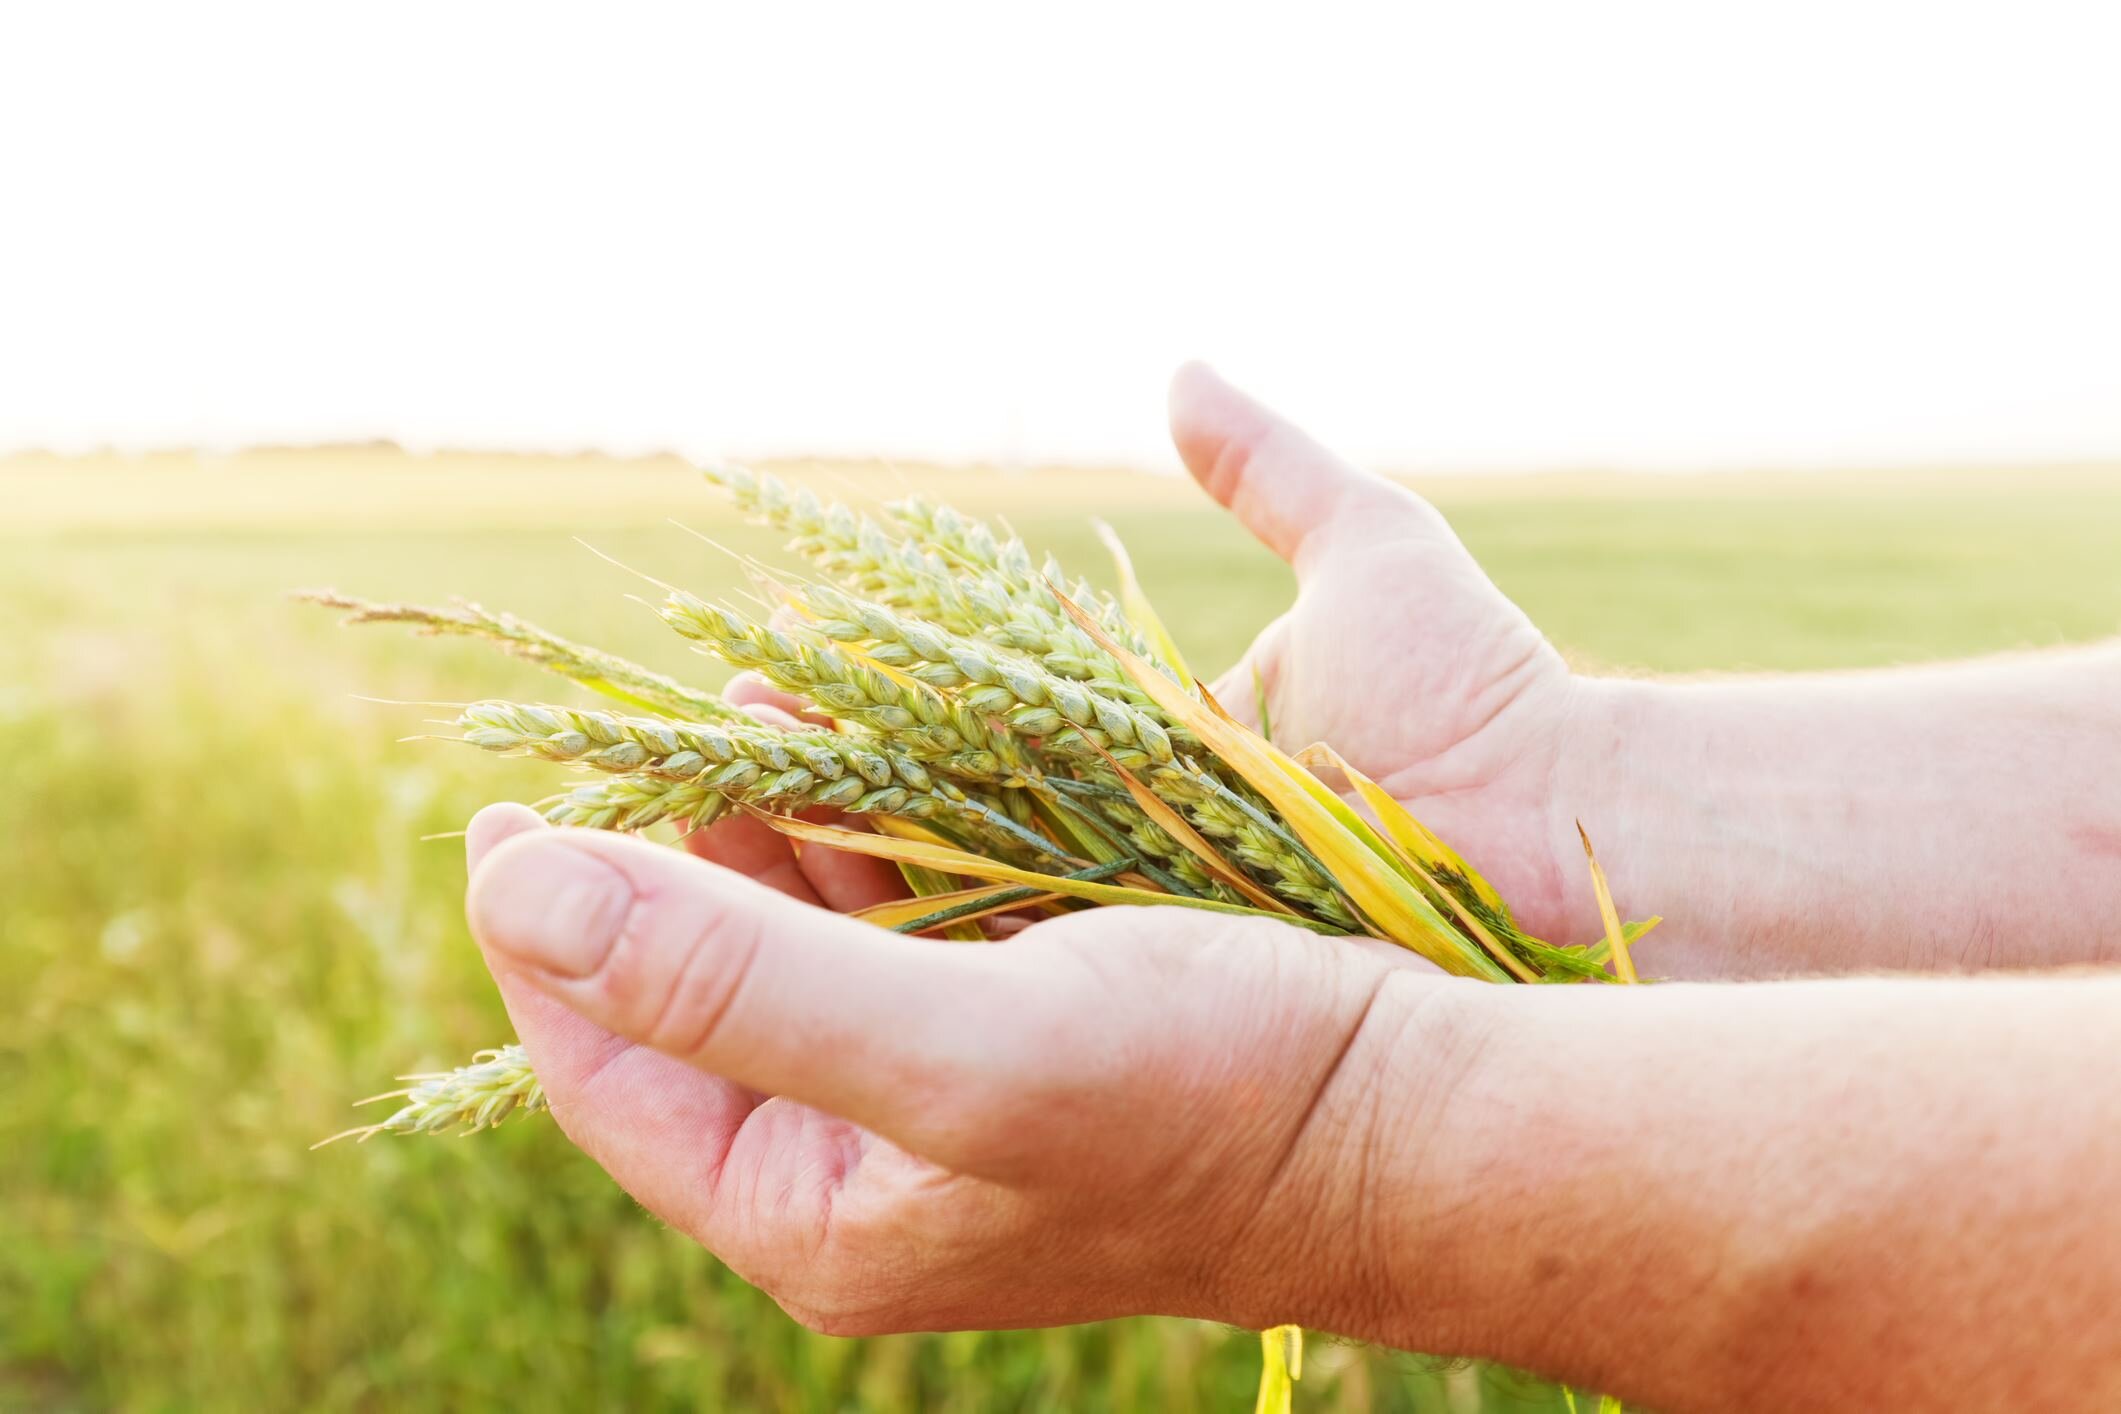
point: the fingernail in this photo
(545, 902)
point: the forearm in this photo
(1963, 816)
(1857, 1194)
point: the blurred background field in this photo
(217, 925)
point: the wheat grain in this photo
(851, 547)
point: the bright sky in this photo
(1661, 235)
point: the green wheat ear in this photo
(497, 1084)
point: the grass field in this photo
(217, 927)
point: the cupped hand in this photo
(1401, 654)
(1117, 1112)
(1120, 1111)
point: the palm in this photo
(1399, 653)
(756, 1178)
(1400, 658)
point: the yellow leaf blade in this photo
(1409, 833)
(1601, 952)
(1281, 1351)
(1350, 850)
(1623, 961)
(1411, 839)
(1181, 829)
(899, 827)
(957, 861)
(894, 912)
(926, 883)
(1140, 612)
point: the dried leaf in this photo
(1140, 612)
(1359, 861)
(1623, 962)
(957, 861)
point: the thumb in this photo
(1301, 500)
(902, 1036)
(494, 824)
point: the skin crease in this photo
(1852, 1194)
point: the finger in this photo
(749, 690)
(841, 881)
(661, 1127)
(749, 846)
(494, 824)
(612, 1098)
(1246, 692)
(742, 842)
(1298, 498)
(899, 1035)
(751, 1178)
(845, 882)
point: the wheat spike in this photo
(608, 741)
(497, 1084)
(1034, 701)
(592, 668)
(921, 720)
(1001, 601)
(693, 772)
(1072, 719)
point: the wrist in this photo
(1434, 1163)
(1600, 780)
(1349, 1238)
(1483, 1180)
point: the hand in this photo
(1119, 1112)
(1400, 654)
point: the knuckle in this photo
(832, 1321)
(842, 1309)
(702, 958)
(1227, 471)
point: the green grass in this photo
(217, 927)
